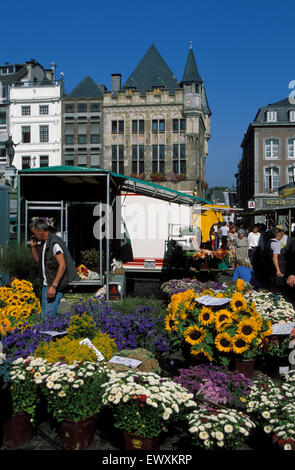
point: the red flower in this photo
(143, 398)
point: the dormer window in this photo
(271, 116)
(292, 116)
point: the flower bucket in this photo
(136, 442)
(17, 430)
(77, 435)
(245, 367)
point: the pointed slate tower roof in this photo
(86, 89)
(152, 71)
(191, 73)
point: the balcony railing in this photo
(32, 84)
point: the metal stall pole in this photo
(26, 222)
(107, 239)
(18, 209)
(100, 245)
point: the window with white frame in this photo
(26, 134)
(43, 109)
(271, 179)
(291, 148)
(26, 110)
(26, 162)
(271, 116)
(291, 174)
(271, 148)
(44, 133)
(44, 161)
(292, 116)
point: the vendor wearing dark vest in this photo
(55, 263)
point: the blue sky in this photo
(244, 51)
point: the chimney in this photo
(116, 82)
(49, 74)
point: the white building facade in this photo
(35, 123)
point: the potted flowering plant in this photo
(24, 377)
(143, 406)
(73, 395)
(234, 331)
(20, 308)
(214, 428)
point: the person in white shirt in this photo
(253, 241)
(224, 235)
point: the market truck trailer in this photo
(148, 225)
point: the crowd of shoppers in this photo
(264, 257)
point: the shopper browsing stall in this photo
(55, 264)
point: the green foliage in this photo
(127, 305)
(18, 262)
(90, 258)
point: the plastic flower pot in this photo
(137, 442)
(17, 430)
(245, 367)
(77, 435)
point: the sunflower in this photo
(207, 292)
(223, 342)
(268, 332)
(222, 319)
(206, 316)
(194, 335)
(238, 302)
(196, 352)
(239, 344)
(240, 285)
(248, 329)
(171, 323)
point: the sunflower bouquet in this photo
(213, 333)
(20, 308)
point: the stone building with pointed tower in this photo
(82, 128)
(156, 127)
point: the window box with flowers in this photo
(178, 177)
(139, 176)
(157, 177)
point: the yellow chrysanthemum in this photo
(248, 329)
(240, 285)
(223, 342)
(206, 316)
(171, 323)
(238, 302)
(239, 344)
(194, 334)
